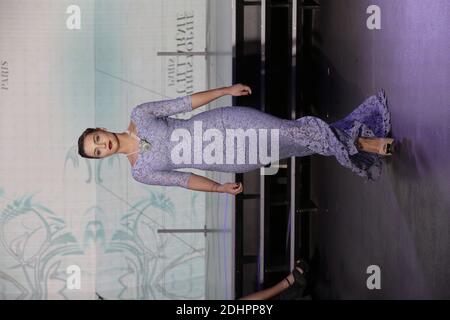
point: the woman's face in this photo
(100, 143)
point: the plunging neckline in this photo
(136, 155)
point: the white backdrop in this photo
(59, 209)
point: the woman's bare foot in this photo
(382, 146)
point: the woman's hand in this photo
(239, 90)
(231, 188)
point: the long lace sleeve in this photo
(162, 178)
(164, 108)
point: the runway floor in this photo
(400, 223)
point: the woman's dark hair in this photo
(81, 150)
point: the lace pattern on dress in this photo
(140, 115)
(371, 118)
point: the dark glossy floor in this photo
(401, 222)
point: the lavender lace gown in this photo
(305, 136)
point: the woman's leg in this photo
(269, 292)
(272, 291)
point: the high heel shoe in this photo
(385, 146)
(297, 288)
(302, 264)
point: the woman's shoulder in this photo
(132, 127)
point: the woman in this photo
(156, 144)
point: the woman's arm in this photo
(200, 183)
(204, 97)
(187, 103)
(184, 179)
(162, 108)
